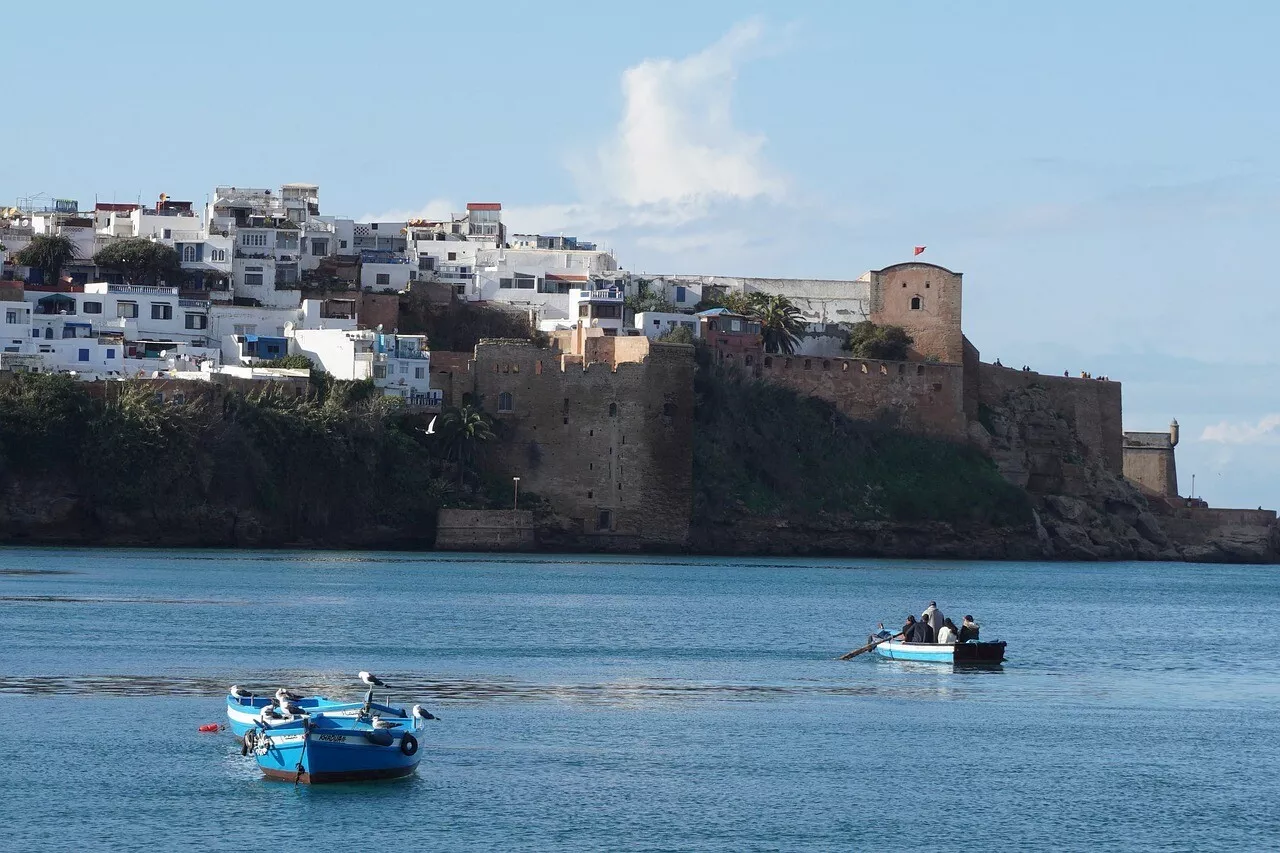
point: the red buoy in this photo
(209, 727)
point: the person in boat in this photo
(968, 630)
(947, 633)
(909, 630)
(924, 630)
(935, 617)
(882, 633)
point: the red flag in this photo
(918, 250)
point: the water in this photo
(593, 703)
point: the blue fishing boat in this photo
(314, 740)
(960, 654)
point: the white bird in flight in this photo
(431, 427)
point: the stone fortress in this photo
(600, 423)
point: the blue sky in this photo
(1107, 176)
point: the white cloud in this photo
(676, 145)
(1265, 431)
(437, 208)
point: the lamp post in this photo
(515, 503)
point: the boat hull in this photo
(332, 751)
(959, 654)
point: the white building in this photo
(16, 333)
(654, 324)
(138, 312)
(398, 364)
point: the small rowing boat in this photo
(960, 654)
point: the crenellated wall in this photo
(609, 447)
(925, 398)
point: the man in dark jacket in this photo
(968, 630)
(909, 629)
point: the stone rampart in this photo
(609, 447)
(924, 398)
(485, 530)
(1091, 406)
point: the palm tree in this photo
(47, 253)
(780, 322)
(465, 430)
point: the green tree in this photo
(140, 260)
(291, 362)
(50, 254)
(890, 343)
(465, 431)
(677, 335)
(645, 299)
(780, 321)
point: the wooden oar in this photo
(868, 647)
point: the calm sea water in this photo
(592, 703)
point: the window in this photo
(418, 373)
(161, 311)
(11, 317)
(342, 244)
(188, 253)
(604, 521)
(680, 294)
(525, 282)
(253, 279)
(504, 401)
(926, 285)
(249, 239)
(916, 303)
(197, 321)
(217, 254)
(245, 329)
(91, 307)
(128, 310)
(84, 355)
(319, 248)
(159, 397)
(613, 410)
(111, 352)
(179, 398)
(373, 226)
(505, 283)
(383, 278)
(453, 256)
(379, 371)
(168, 234)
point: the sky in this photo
(1106, 176)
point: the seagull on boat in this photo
(372, 680)
(240, 693)
(423, 714)
(287, 696)
(379, 723)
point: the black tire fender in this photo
(408, 744)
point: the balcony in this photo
(142, 289)
(193, 303)
(187, 236)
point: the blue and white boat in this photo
(313, 740)
(960, 654)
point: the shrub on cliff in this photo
(140, 260)
(765, 450)
(458, 326)
(888, 343)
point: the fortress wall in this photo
(610, 448)
(485, 530)
(1092, 406)
(450, 374)
(926, 398)
(1152, 469)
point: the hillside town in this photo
(257, 286)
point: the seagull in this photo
(379, 723)
(423, 713)
(431, 427)
(372, 680)
(239, 693)
(287, 696)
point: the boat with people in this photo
(949, 644)
(315, 740)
